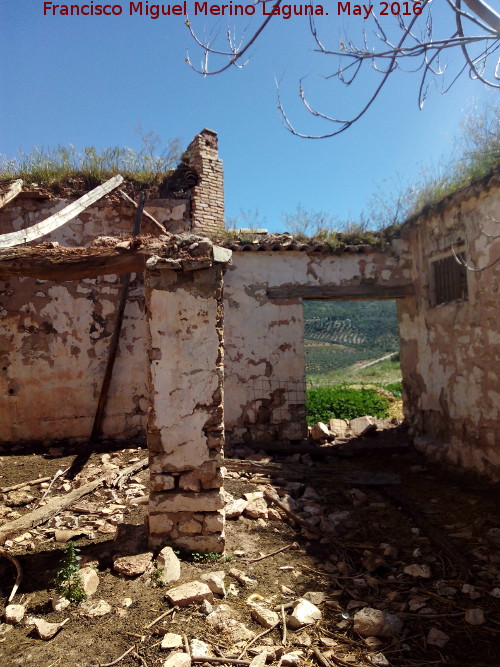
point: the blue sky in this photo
(92, 80)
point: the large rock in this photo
(199, 648)
(132, 566)
(369, 622)
(89, 580)
(303, 613)
(169, 565)
(215, 581)
(339, 427)
(14, 613)
(256, 509)
(362, 425)
(320, 431)
(235, 508)
(171, 640)
(193, 592)
(178, 660)
(46, 630)
(94, 609)
(265, 617)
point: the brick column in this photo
(207, 197)
(186, 420)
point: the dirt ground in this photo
(360, 539)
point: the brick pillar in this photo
(207, 197)
(186, 421)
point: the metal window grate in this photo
(278, 400)
(449, 279)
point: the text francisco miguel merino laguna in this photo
(229, 8)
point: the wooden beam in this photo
(75, 263)
(59, 219)
(365, 291)
(144, 213)
(13, 190)
(113, 346)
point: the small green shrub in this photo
(325, 403)
(68, 582)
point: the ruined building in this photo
(211, 346)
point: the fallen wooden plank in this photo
(59, 219)
(58, 503)
(144, 213)
(341, 292)
(44, 513)
(12, 192)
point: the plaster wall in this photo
(54, 339)
(264, 362)
(185, 429)
(450, 353)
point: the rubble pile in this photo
(320, 569)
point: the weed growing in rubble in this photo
(68, 582)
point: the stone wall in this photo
(186, 418)
(265, 364)
(450, 353)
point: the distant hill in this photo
(342, 333)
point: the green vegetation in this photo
(68, 582)
(62, 165)
(341, 402)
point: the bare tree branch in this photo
(410, 46)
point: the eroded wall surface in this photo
(450, 353)
(185, 430)
(54, 338)
(265, 363)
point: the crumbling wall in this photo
(54, 339)
(207, 197)
(54, 336)
(265, 364)
(185, 428)
(450, 353)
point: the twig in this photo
(294, 545)
(229, 661)
(186, 645)
(299, 520)
(252, 641)
(165, 613)
(140, 658)
(124, 474)
(58, 474)
(31, 482)
(322, 659)
(283, 621)
(17, 565)
(115, 662)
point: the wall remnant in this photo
(450, 351)
(185, 429)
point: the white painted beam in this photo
(59, 219)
